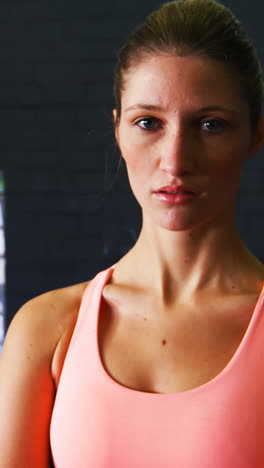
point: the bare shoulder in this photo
(42, 324)
(38, 332)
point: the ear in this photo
(258, 138)
(116, 125)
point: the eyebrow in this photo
(144, 106)
(152, 107)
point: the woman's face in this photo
(184, 133)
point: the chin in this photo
(184, 220)
(176, 227)
(175, 224)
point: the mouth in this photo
(176, 195)
(177, 190)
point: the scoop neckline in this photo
(199, 389)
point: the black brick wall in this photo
(63, 223)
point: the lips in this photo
(176, 195)
(179, 189)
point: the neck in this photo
(192, 261)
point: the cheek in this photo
(228, 159)
(139, 173)
(225, 171)
(137, 163)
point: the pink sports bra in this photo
(98, 423)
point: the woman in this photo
(162, 364)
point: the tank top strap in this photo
(91, 301)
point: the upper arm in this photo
(27, 389)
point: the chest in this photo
(151, 351)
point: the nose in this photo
(177, 152)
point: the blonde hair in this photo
(195, 27)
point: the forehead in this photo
(170, 80)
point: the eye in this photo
(148, 123)
(213, 125)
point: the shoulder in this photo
(40, 324)
(31, 359)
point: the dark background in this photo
(67, 213)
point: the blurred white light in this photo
(2, 242)
(1, 214)
(2, 271)
(1, 328)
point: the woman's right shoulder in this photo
(28, 373)
(40, 325)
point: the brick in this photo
(33, 202)
(74, 72)
(29, 140)
(99, 28)
(48, 268)
(253, 181)
(250, 204)
(71, 249)
(9, 95)
(56, 94)
(87, 142)
(23, 119)
(45, 203)
(76, 203)
(257, 162)
(31, 160)
(76, 248)
(66, 225)
(36, 96)
(21, 181)
(132, 10)
(57, 118)
(256, 222)
(98, 119)
(53, 12)
(16, 71)
(95, 157)
(49, 49)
